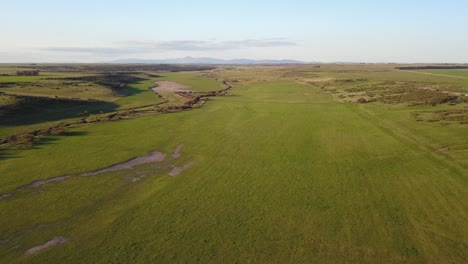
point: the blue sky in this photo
(328, 31)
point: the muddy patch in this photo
(134, 176)
(177, 170)
(166, 86)
(173, 93)
(443, 149)
(176, 153)
(55, 241)
(154, 156)
(42, 182)
(5, 195)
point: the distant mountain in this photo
(191, 60)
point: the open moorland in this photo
(233, 164)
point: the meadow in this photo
(462, 73)
(287, 167)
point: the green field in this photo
(459, 73)
(5, 79)
(136, 95)
(287, 168)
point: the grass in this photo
(139, 94)
(22, 79)
(42, 117)
(282, 173)
(59, 89)
(6, 100)
(458, 73)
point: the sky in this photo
(313, 31)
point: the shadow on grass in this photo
(6, 154)
(48, 140)
(74, 133)
(34, 110)
(28, 110)
(129, 91)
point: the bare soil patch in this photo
(175, 94)
(166, 86)
(5, 195)
(154, 156)
(42, 182)
(177, 170)
(55, 241)
(443, 149)
(176, 153)
(151, 157)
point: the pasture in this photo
(286, 168)
(459, 73)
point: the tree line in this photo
(27, 73)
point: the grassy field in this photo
(58, 89)
(282, 171)
(140, 94)
(460, 73)
(23, 79)
(35, 116)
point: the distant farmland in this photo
(462, 73)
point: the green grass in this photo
(460, 73)
(22, 79)
(56, 88)
(279, 176)
(432, 135)
(140, 94)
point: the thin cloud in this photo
(194, 45)
(109, 51)
(134, 47)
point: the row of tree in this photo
(27, 73)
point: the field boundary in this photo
(434, 74)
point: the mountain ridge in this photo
(203, 60)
